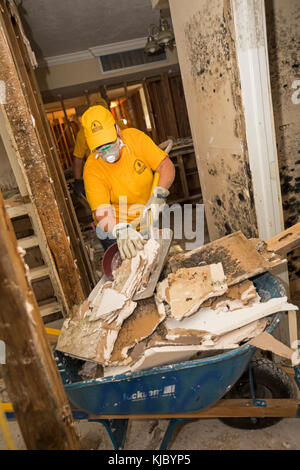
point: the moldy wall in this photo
(283, 30)
(207, 58)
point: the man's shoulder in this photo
(132, 133)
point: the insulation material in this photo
(189, 288)
(238, 255)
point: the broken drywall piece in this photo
(93, 340)
(132, 273)
(267, 342)
(159, 356)
(97, 288)
(237, 296)
(238, 255)
(190, 287)
(112, 371)
(219, 322)
(158, 350)
(108, 301)
(137, 327)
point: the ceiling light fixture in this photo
(159, 38)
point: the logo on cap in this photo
(96, 126)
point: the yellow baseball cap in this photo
(99, 126)
(98, 101)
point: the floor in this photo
(208, 434)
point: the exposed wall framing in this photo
(30, 136)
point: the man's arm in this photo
(166, 172)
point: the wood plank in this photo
(39, 272)
(17, 211)
(48, 309)
(169, 105)
(28, 242)
(285, 241)
(226, 408)
(40, 404)
(238, 255)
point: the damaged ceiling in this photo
(56, 27)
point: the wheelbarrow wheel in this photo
(269, 381)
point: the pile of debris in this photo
(205, 303)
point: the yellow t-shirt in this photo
(81, 149)
(131, 176)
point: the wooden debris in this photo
(285, 241)
(238, 255)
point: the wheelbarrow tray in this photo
(182, 387)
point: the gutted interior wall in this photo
(207, 59)
(283, 29)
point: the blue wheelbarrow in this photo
(186, 387)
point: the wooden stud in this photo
(150, 110)
(30, 373)
(169, 105)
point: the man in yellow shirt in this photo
(118, 177)
(81, 150)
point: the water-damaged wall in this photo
(207, 58)
(283, 30)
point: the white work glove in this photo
(155, 204)
(129, 240)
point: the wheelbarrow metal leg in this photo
(169, 432)
(116, 429)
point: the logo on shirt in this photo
(139, 166)
(96, 126)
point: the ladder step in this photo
(48, 309)
(28, 242)
(39, 272)
(16, 207)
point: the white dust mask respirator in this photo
(110, 152)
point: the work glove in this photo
(129, 240)
(79, 187)
(155, 204)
